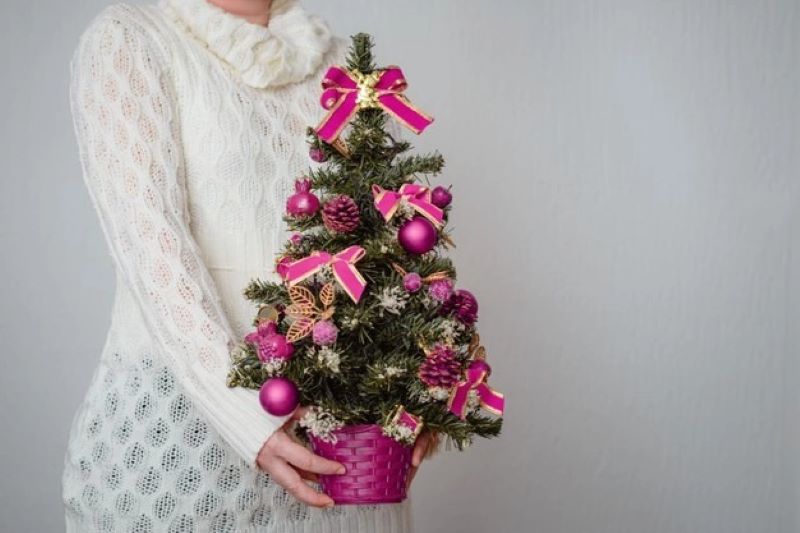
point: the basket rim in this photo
(353, 428)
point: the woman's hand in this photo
(289, 462)
(425, 446)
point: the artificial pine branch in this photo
(360, 53)
(415, 164)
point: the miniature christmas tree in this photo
(367, 326)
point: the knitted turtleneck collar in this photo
(287, 50)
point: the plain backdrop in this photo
(627, 208)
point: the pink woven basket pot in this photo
(377, 465)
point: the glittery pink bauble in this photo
(441, 197)
(279, 396)
(317, 155)
(440, 289)
(303, 203)
(324, 333)
(412, 282)
(417, 236)
(275, 346)
(296, 239)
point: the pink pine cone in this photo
(340, 214)
(463, 305)
(440, 368)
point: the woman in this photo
(191, 117)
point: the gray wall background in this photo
(627, 208)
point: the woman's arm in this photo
(128, 133)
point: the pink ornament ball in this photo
(303, 203)
(412, 282)
(279, 396)
(417, 236)
(441, 197)
(317, 155)
(324, 333)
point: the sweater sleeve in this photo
(128, 132)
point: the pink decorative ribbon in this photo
(475, 379)
(345, 92)
(342, 265)
(417, 196)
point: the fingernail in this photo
(340, 470)
(329, 505)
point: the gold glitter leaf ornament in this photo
(305, 312)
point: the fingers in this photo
(420, 448)
(309, 476)
(305, 459)
(299, 413)
(289, 462)
(289, 479)
(411, 473)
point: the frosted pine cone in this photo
(441, 368)
(463, 305)
(340, 214)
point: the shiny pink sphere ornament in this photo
(417, 236)
(279, 396)
(303, 203)
(317, 155)
(441, 197)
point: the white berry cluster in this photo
(325, 358)
(392, 300)
(400, 433)
(321, 424)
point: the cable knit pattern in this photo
(191, 127)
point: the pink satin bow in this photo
(475, 379)
(345, 92)
(417, 196)
(342, 265)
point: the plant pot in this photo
(377, 465)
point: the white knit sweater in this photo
(191, 127)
